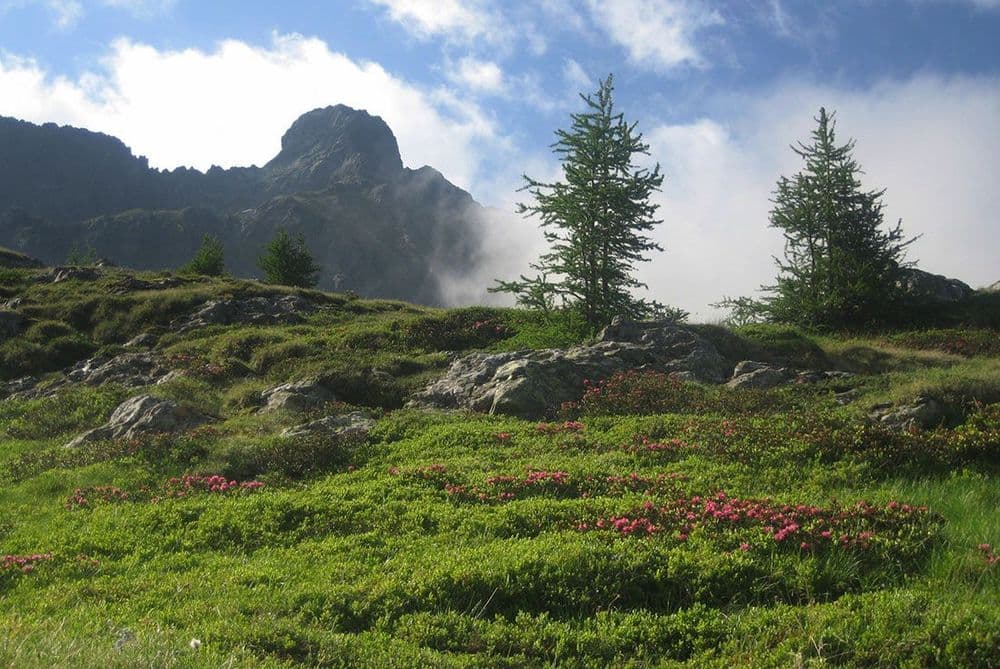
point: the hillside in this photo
(257, 476)
(375, 226)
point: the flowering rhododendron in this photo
(181, 486)
(22, 563)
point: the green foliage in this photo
(595, 222)
(208, 260)
(82, 256)
(841, 267)
(287, 262)
(468, 540)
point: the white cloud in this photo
(457, 19)
(230, 106)
(576, 76)
(479, 75)
(658, 34)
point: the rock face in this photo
(355, 424)
(297, 396)
(269, 310)
(922, 287)
(921, 414)
(374, 226)
(531, 384)
(140, 416)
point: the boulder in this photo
(750, 374)
(144, 340)
(11, 324)
(267, 310)
(140, 416)
(920, 287)
(70, 273)
(296, 396)
(354, 424)
(531, 384)
(922, 413)
(759, 375)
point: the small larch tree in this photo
(208, 260)
(841, 266)
(287, 261)
(595, 221)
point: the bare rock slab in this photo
(143, 415)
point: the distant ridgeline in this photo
(374, 226)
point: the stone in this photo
(920, 287)
(296, 396)
(11, 324)
(921, 414)
(265, 310)
(354, 424)
(760, 377)
(60, 274)
(532, 384)
(144, 340)
(143, 415)
(130, 370)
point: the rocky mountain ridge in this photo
(375, 226)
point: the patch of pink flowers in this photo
(810, 527)
(556, 428)
(179, 487)
(175, 487)
(988, 554)
(23, 563)
(647, 445)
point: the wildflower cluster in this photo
(988, 554)
(182, 486)
(557, 428)
(191, 483)
(22, 563)
(643, 444)
(805, 527)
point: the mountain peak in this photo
(335, 144)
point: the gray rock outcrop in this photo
(296, 396)
(761, 375)
(129, 370)
(921, 414)
(265, 310)
(531, 384)
(143, 415)
(354, 424)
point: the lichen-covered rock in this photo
(759, 376)
(354, 424)
(69, 273)
(296, 396)
(534, 383)
(143, 415)
(129, 370)
(921, 414)
(267, 310)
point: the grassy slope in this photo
(407, 550)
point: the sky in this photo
(477, 89)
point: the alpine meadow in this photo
(276, 393)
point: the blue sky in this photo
(476, 89)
